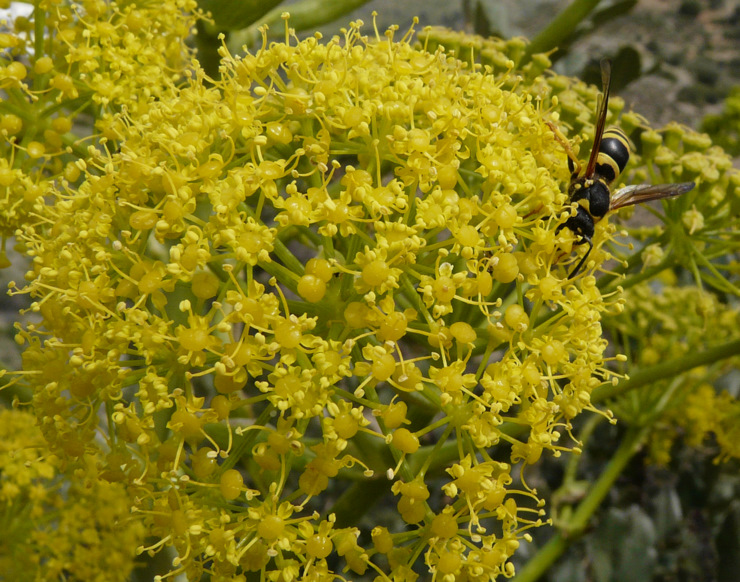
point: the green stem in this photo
(719, 282)
(608, 280)
(575, 527)
(40, 37)
(288, 258)
(667, 369)
(283, 275)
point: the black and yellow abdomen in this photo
(614, 153)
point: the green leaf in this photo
(491, 18)
(602, 17)
(626, 67)
(561, 27)
(624, 546)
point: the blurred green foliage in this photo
(724, 128)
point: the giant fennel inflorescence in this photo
(327, 281)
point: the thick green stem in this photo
(575, 526)
(667, 369)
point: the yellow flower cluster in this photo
(698, 228)
(327, 279)
(73, 530)
(682, 321)
(84, 61)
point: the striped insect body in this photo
(590, 188)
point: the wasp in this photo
(590, 189)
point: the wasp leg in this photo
(575, 271)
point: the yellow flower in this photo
(327, 265)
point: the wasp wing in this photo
(606, 78)
(645, 192)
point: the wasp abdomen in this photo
(614, 153)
